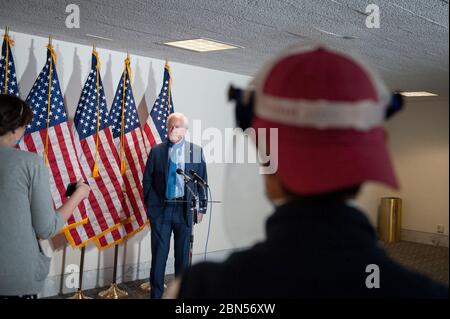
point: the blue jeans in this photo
(173, 219)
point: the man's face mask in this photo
(176, 134)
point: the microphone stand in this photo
(204, 187)
(194, 220)
(194, 214)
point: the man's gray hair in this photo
(178, 115)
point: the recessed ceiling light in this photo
(419, 93)
(202, 45)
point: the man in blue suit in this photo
(169, 199)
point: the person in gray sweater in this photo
(26, 207)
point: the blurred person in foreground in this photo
(329, 110)
(26, 212)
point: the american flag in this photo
(127, 135)
(49, 136)
(155, 127)
(100, 164)
(8, 79)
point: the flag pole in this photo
(97, 133)
(114, 292)
(79, 293)
(122, 131)
(6, 38)
(49, 95)
(169, 87)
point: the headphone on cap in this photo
(244, 105)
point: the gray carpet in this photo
(430, 260)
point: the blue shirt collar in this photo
(178, 145)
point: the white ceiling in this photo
(410, 49)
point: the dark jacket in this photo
(155, 177)
(313, 250)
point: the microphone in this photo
(186, 177)
(198, 177)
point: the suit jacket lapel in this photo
(187, 157)
(165, 159)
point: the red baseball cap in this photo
(328, 108)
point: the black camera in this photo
(395, 105)
(71, 188)
(244, 105)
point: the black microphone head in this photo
(180, 171)
(197, 177)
